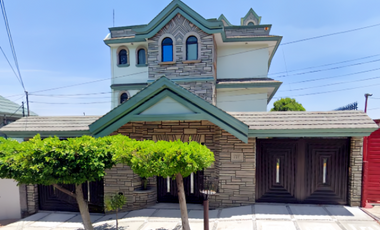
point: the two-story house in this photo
(182, 76)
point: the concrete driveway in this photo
(259, 216)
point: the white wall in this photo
(131, 69)
(243, 65)
(241, 100)
(116, 96)
(9, 200)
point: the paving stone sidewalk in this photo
(255, 217)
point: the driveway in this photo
(259, 216)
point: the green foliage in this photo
(114, 202)
(287, 104)
(54, 161)
(148, 158)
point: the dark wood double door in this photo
(52, 199)
(167, 189)
(302, 170)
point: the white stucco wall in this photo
(167, 106)
(241, 100)
(117, 72)
(116, 96)
(253, 64)
(9, 200)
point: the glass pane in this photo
(192, 52)
(167, 53)
(278, 171)
(141, 59)
(167, 41)
(251, 24)
(123, 98)
(324, 170)
(123, 57)
(192, 40)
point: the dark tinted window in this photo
(192, 48)
(123, 58)
(123, 98)
(141, 57)
(167, 49)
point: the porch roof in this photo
(308, 124)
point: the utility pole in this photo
(23, 109)
(366, 101)
(27, 102)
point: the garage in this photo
(304, 170)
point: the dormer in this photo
(250, 19)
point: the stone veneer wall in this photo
(236, 178)
(355, 174)
(204, 90)
(32, 198)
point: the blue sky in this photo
(60, 43)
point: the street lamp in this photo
(366, 100)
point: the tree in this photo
(287, 104)
(175, 159)
(114, 203)
(53, 161)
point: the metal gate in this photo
(302, 170)
(52, 199)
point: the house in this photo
(371, 164)
(183, 76)
(10, 193)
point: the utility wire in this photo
(304, 39)
(10, 65)
(68, 103)
(11, 41)
(15, 111)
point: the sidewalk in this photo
(258, 216)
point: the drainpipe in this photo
(364, 202)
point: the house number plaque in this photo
(237, 157)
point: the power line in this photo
(68, 103)
(312, 67)
(11, 42)
(337, 83)
(10, 65)
(305, 39)
(344, 75)
(104, 79)
(68, 95)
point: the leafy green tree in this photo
(174, 159)
(53, 162)
(114, 203)
(287, 104)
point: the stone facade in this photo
(236, 179)
(355, 173)
(32, 198)
(204, 89)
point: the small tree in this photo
(287, 104)
(114, 203)
(175, 159)
(53, 161)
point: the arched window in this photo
(167, 50)
(191, 48)
(141, 57)
(251, 23)
(123, 58)
(123, 98)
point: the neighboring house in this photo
(183, 76)
(371, 168)
(10, 194)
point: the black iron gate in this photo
(302, 170)
(52, 199)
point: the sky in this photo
(60, 43)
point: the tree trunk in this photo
(117, 223)
(182, 202)
(83, 207)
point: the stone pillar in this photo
(355, 171)
(32, 198)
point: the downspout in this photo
(364, 202)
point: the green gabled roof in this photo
(162, 88)
(222, 17)
(254, 14)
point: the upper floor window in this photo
(123, 98)
(251, 23)
(141, 57)
(123, 57)
(167, 50)
(192, 48)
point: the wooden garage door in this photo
(302, 170)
